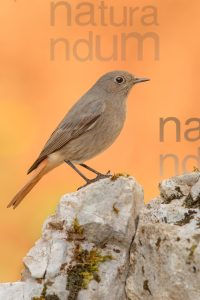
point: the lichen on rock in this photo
(83, 252)
(103, 244)
(165, 258)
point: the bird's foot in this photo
(97, 178)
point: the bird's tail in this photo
(39, 173)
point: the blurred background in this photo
(36, 92)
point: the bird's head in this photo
(119, 82)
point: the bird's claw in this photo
(97, 178)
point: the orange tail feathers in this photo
(38, 174)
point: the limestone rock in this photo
(83, 252)
(19, 290)
(90, 249)
(165, 255)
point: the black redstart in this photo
(89, 128)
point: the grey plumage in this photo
(73, 125)
(101, 111)
(90, 127)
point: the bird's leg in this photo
(88, 181)
(99, 175)
(92, 170)
(77, 170)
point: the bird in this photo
(89, 128)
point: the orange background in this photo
(35, 93)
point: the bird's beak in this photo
(139, 80)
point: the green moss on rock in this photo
(44, 295)
(84, 269)
(76, 232)
(190, 258)
(117, 175)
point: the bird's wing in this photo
(71, 127)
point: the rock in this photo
(93, 247)
(19, 290)
(178, 186)
(165, 254)
(37, 259)
(83, 252)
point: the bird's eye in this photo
(119, 79)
